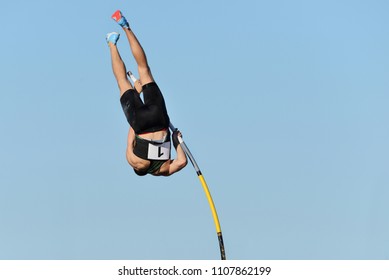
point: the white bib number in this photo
(159, 151)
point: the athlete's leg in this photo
(118, 67)
(136, 49)
(140, 57)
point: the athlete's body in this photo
(148, 144)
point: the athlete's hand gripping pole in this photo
(207, 193)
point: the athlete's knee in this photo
(144, 69)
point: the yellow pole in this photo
(211, 204)
(207, 193)
(215, 217)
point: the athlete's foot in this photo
(120, 19)
(112, 38)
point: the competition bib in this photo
(159, 151)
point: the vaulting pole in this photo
(207, 193)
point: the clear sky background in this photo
(284, 105)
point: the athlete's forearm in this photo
(181, 156)
(130, 146)
(131, 138)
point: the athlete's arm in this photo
(131, 157)
(180, 161)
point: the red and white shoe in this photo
(120, 19)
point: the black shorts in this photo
(149, 116)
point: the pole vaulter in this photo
(149, 156)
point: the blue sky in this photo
(283, 104)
